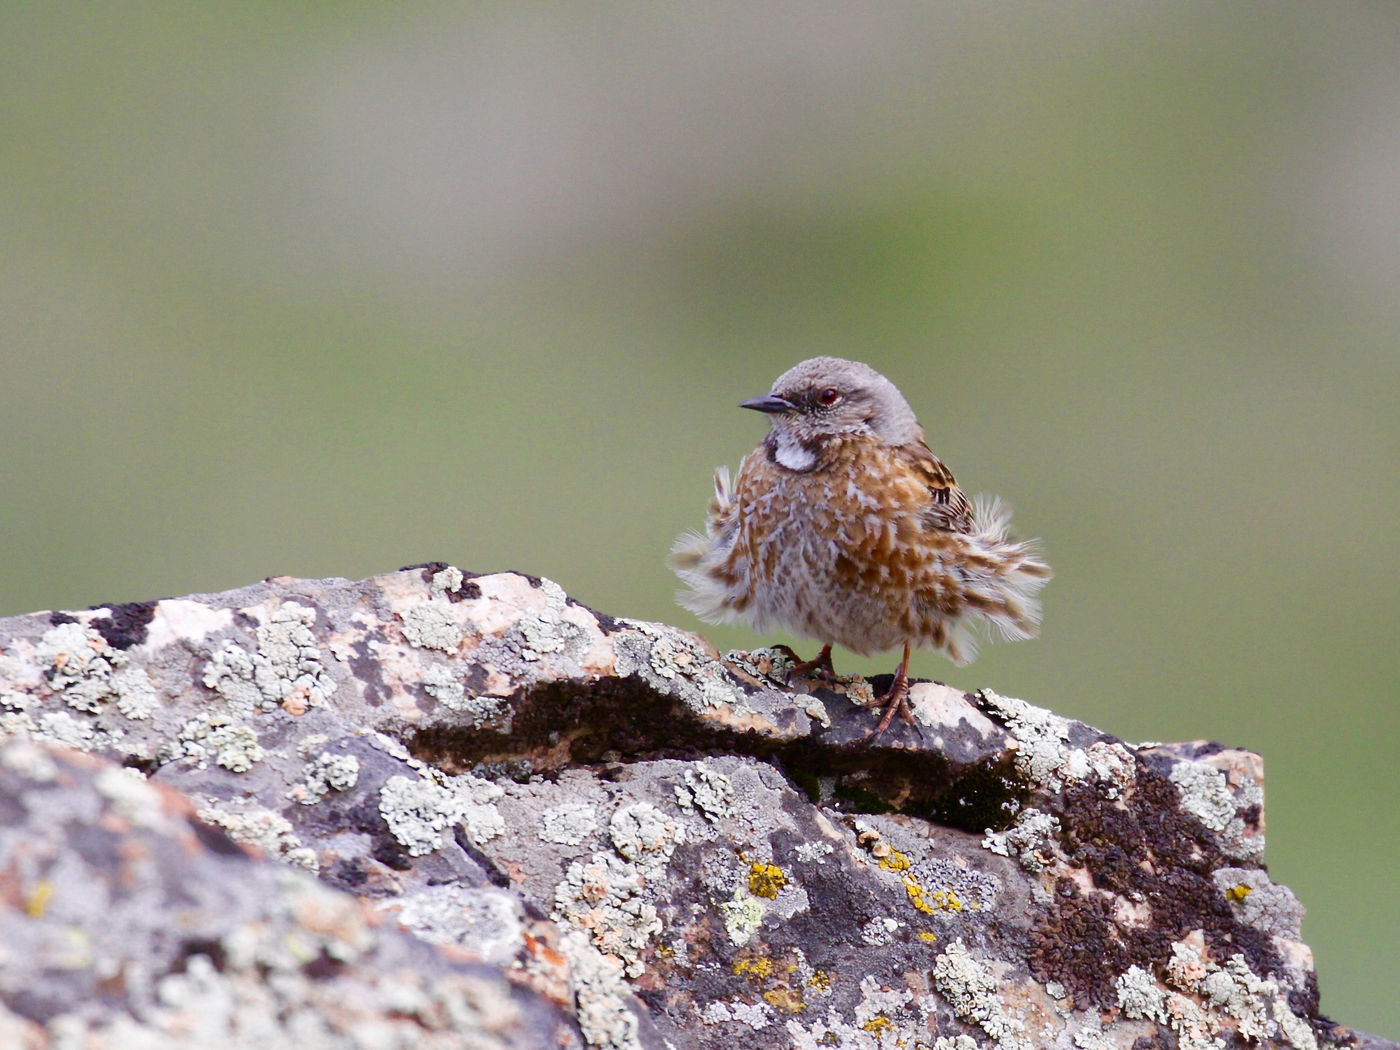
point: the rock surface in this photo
(435, 810)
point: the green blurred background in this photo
(331, 289)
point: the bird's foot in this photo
(895, 701)
(820, 664)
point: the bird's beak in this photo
(770, 403)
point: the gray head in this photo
(826, 396)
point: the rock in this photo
(432, 809)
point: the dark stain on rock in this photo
(126, 626)
(1152, 851)
(467, 590)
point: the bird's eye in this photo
(829, 396)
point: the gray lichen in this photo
(446, 687)
(568, 823)
(603, 897)
(644, 835)
(971, 989)
(432, 625)
(1139, 996)
(287, 664)
(328, 772)
(707, 790)
(601, 993)
(1038, 737)
(675, 664)
(1207, 795)
(268, 831)
(419, 811)
(87, 672)
(235, 747)
(1029, 840)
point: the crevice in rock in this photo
(563, 725)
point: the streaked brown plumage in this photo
(844, 527)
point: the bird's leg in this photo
(896, 699)
(821, 664)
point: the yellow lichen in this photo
(1238, 892)
(765, 880)
(820, 980)
(665, 951)
(755, 967)
(893, 860)
(38, 901)
(925, 935)
(929, 903)
(879, 1024)
(786, 999)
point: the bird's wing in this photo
(948, 508)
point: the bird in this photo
(842, 526)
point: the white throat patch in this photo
(792, 454)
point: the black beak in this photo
(770, 403)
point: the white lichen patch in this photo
(603, 897)
(446, 687)
(287, 666)
(1254, 1006)
(60, 727)
(446, 581)
(431, 625)
(1037, 736)
(1109, 765)
(883, 1018)
(268, 831)
(29, 760)
(971, 988)
(131, 795)
(544, 631)
(134, 692)
(87, 672)
(419, 811)
(235, 747)
(1140, 997)
(16, 672)
(674, 662)
(1261, 903)
(879, 931)
(325, 773)
(1029, 840)
(569, 823)
(486, 920)
(75, 658)
(1207, 795)
(645, 835)
(707, 790)
(816, 850)
(602, 995)
(756, 1016)
(971, 889)
(1093, 1038)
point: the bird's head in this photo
(826, 397)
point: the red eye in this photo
(829, 396)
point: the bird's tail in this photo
(1002, 581)
(694, 558)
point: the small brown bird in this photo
(844, 527)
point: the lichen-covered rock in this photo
(127, 923)
(596, 830)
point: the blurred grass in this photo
(332, 290)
